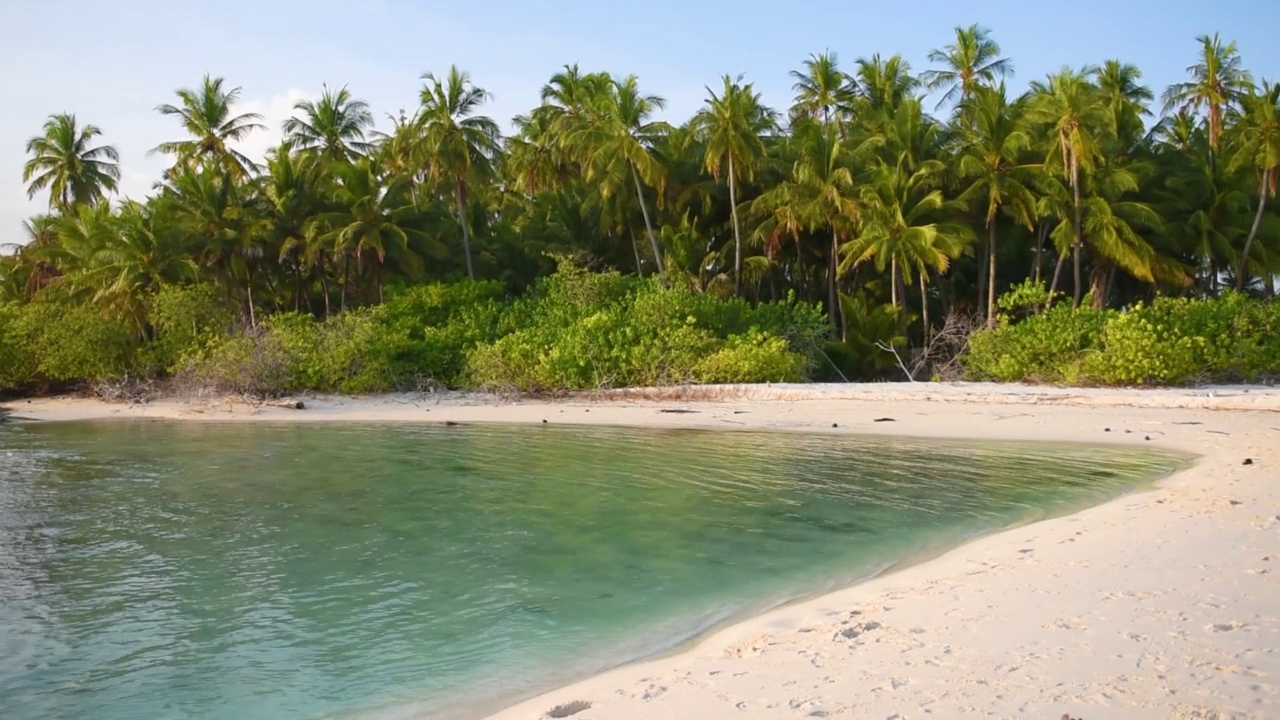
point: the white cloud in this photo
(274, 112)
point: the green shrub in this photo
(753, 357)
(17, 362)
(289, 352)
(428, 330)
(52, 343)
(184, 318)
(1043, 348)
(1172, 341)
(580, 330)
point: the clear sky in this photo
(112, 63)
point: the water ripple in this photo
(168, 570)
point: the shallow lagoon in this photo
(187, 570)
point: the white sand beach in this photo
(1161, 604)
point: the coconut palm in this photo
(64, 161)
(1205, 207)
(1126, 99)
(334, 125)
(226, 217)
(1258, 148)
(32, 266)
(455, 142)
(143, 254)
(534, 159)
(991, 150)
(823, 91)
(615, 142)
(81, 236)
(374, 222)
(1115, 224)
(884, 85)
(903, 228)
(206, 114)
(819, 195)
(294, 189)
(1218, 82)
(1074, 112)
(570, 95)
(731, 126)
(970, 62)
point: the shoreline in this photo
(1159, 603)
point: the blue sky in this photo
(112, 63)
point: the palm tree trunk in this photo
(324, 284)
(648, 225)
(635, 247)
(1099, 285)
(833, 304)
(1079, 229)
(346, 278)
(773, 280)
(248, 286)
(924, 308)
(1041, 230)
(378, 272)
(466, 232)
(1057, 275)
(737, 234)
(1253, 231)
(893, 282)
(991, 273)
(982, 281)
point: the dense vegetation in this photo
(599, 246)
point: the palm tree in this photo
(571, 95)
(225, 215)
(883, 87)
(456, 142)
(1218, 82)
(820, 194)
(1258, 147)
(375, 221)
(1075, 113)
(205, 113)
(1126, 99)
(63, 161)
(901, 228)
(31, 257)
(334, 126)
(730, 127)
(991, 148)
(533, 159)
(82, 235)
(1203, 203)
(615, 142)
(1113, 221)
(294, 189)
(972, 61)
(823, 91)
(142, 254)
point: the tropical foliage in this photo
(892, 199)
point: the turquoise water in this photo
(244, 572)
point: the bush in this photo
(47, 343)
(289, 352)
(1172, 341)
(580, 330)
(184, 319)
(1045, 348)
(428, 330)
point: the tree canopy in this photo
(864, 193)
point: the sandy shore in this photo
(1163, 604)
